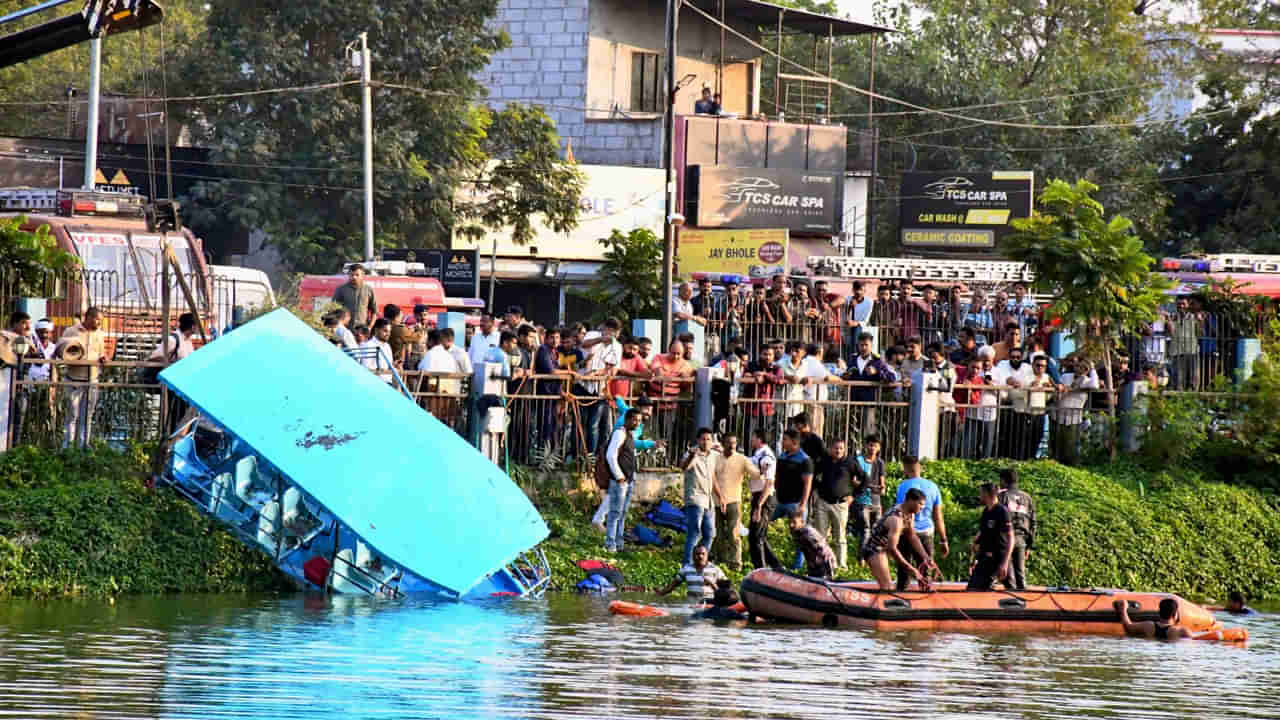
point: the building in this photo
(1257, 51)
(598, 68)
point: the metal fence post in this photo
(1130, 438)
(922, 425)
(703, 412)
(8, 383)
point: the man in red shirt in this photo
(759, 382)
(672, 366)
(631, 366)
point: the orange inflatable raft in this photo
(622, 607)
(780, 596)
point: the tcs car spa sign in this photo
(760, 198)
(962, 210)
(750, 253)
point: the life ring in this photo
(620, 607)
(1231, 635)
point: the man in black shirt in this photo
(1022, 515)
(993, 546)
(834, 495)
(810, 443)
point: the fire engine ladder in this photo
(97, 18)
(921, 269)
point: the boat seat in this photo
(345, 576)
(223, 501)
(269, 526)
(364, 560)
(293, 507)
(250, 487)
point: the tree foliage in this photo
(516, 175)
(28, 258)
(430, 139)
(1033, 62)
(1095, 268)
(1226, 185)
(629, 285)
(46, 79)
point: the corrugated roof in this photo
(765, 14)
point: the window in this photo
(646, 82)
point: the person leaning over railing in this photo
(759, 383)
(1068, 417)
(867, 367)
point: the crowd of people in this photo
(785, 347)
(829, 498)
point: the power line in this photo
(194, 98)
(818, 77)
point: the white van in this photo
(239, 290)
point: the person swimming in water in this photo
(1165, 629)
(1235, 605)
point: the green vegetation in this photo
(629, 285)
(82, 522)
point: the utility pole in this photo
(91, 124)
(668, 161)
(366, 93)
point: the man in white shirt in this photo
(682, 306)
(606, 353)
(762, 502)
(486, 336)
(42, 346)
(815, 392)
(88, 341)
(178, 345)
(376, 351)
(1068, 417)
(793, 374)
(1016, 424)
(447, 358)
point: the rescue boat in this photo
(785, 597)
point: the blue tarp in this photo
(407, 483)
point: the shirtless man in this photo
(882, 546)
(1166, 628)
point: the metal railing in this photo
(118, 406)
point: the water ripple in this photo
(214, 657)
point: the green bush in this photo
(83, 522)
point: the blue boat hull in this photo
(270, 513)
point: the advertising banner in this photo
(455, 269)
(760, 198)
(962, 210)
(614, 198)
(750, 253)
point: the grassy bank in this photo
(1116, 526)
(83, 522)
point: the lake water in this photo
(564, 656)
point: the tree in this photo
(629, 285)
(516, 174)
(1226, 185)
(429, 138)
(1034, 62)
(125, 59)
(1101, 280)
(28, 259)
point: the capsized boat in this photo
(343, 481)
(790, 598)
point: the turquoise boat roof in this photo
(408, 484)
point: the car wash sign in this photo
(962, 211)
(745, 198)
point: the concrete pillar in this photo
(1247, 351)
(703, 413)
(699, 337)
(1127, 400)
(923, 426)
(7, 377)
(651, 329)
(457, 322)
(1061, 344)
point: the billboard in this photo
(752, 253)
(455, 269)
(614, 198)
(760, 198)
(957, 210)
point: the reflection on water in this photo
(254, 657)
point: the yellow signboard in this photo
(750, 253)
(949, 238)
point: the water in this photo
(210, 657)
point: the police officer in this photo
(1022, 513)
